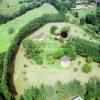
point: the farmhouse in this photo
(65, 61)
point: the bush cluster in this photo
(87, 68)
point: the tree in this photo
(70, 51)
(82, 21)
(75, 14)
(92, 89)
(22, 10)
(64, 31)
(53, 29)
(90, 19)
(87, 68)
(33, 50)
(59, 53)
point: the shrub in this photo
(39, 60)
(75, 14)
(50, 60)
(11, 30)
(70, 50)
(82, 21)
(89, 59)
(90, 19)
(65, 29)
(59, 53)
(87, 68)
(53, 29)
(22, 10)
(75, 69)
(8, 6)
(79, 62)
(25, 65)
(33, 50)
(67, 19)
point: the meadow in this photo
(17, 23)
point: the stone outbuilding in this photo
(65, 61)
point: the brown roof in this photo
(65, 58)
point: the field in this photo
(84, 12)
(35, 74)
(17, 23)
(13, 6)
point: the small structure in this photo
(77, 98)
(65, 61)
(98, 3)
(40, 36)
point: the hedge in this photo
(25, 31)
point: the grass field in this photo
(14, 6)
(48, 74)
(5, 38)
(84, 12)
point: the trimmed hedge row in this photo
(25, 31)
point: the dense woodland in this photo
(89, 91)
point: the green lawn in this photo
(14, 6)
(5, 38)
(84, 12)
(51, 45)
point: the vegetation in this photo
(25, 25)
(24, 31)
(87, 68)
(59, 53)
(87, 91)
(53, 29)
(33, 50)
(86, 48)
(90, 19)
(70, 50)
(18, 23)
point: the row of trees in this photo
(88, 91)
(33, 50)
(86, 48)
(1, 63)
(62, 6)
(24, 31)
